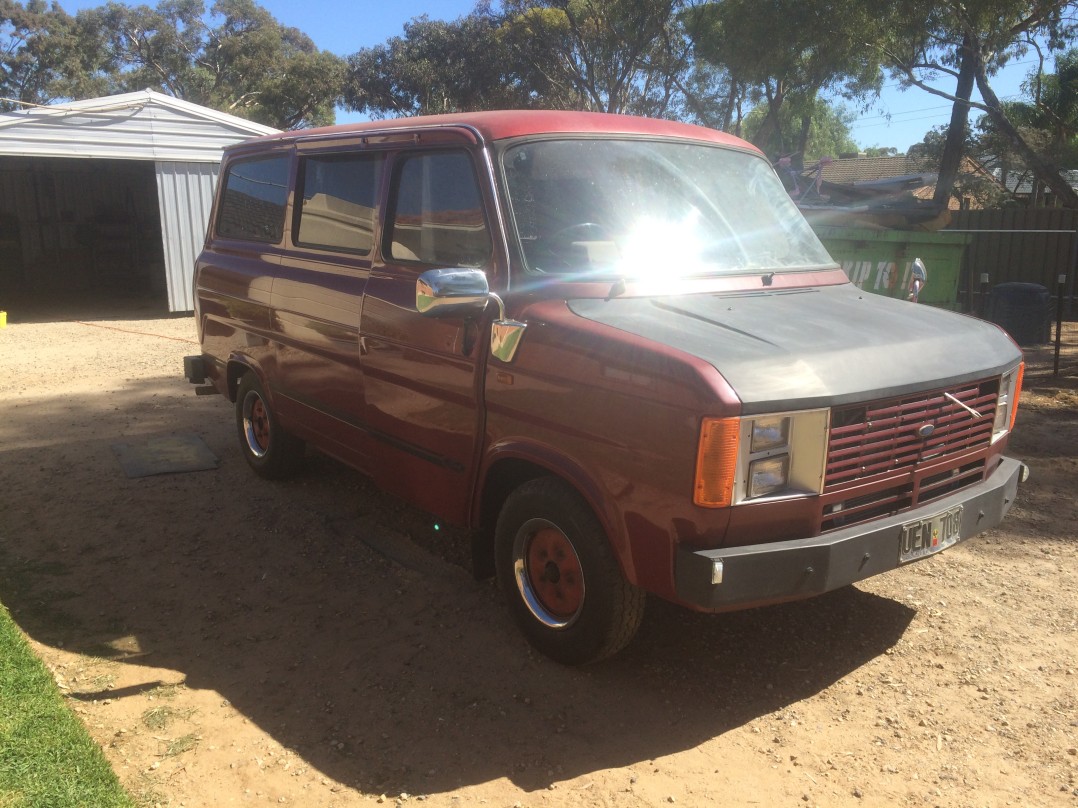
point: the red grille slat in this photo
(859, 509)
(882, 436)
(879, 446)
(930, 492)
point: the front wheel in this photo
(559, 576)
(270, 450)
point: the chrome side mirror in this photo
(919, 278)
(451, 293)
(465, 293)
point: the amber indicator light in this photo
(716, 462)
(1017, 394)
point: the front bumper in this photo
(758, 574)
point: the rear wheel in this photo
(559, 576)
(270, 450)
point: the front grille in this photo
(886, 436)
(870, 442)
(856, 509)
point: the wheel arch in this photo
(237, 366)
(509, 468)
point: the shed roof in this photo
(133, 126)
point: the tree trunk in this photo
(955, 146)
(1046, 171)
(803, 139)
(767, 139)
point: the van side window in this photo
(254, 198)
(338, 196)
(438, 214)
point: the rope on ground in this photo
(140, 333)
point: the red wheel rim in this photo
(260, 428)
(554, 573)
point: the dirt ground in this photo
(232, 641)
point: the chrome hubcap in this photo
(548, 573)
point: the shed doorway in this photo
(80, 235)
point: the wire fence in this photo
(1055, 362)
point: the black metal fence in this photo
(1027, 246)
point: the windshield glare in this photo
(653, 209)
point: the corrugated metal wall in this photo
(185, 196)
(136, 126)
(66, 223)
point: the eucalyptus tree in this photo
(969, 43)
(233, 57)
(788, 52)
(628, 56)
(625, 56)
(38, 46)
(435, 67)
(1047, 115)
(828, 135)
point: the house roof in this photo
(862, 169)
(854, 170)
(1021, 183)
(145, 125)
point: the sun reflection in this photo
(655, 248)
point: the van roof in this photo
(497, 125)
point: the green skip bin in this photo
(880, 261)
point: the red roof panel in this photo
(498, 125)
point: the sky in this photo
(898, 118)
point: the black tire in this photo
(270, 450)
(577, 606)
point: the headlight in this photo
(1010, 388)
(768, 475)
(748, 458)
(770, 433)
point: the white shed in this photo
(109, 197)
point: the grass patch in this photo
(158, 718)
(162, 716)
(183, 744)
(46, 756)
(165, 691)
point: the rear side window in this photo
(338, 201)
(438, 212)
(253, 199)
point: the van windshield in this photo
(653, 209)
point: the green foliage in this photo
(46, 757)
(974, 179)
(828, 129)
(1048, 116)
(932, 39)
(604, 55)
(234, 57)
(38, 45)
(702, 62)
(436, 67)
(788, 51)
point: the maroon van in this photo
(612, 347)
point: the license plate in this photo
(927, 536)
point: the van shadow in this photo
(342, 623)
